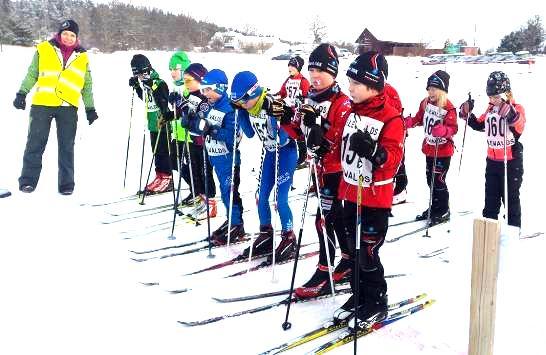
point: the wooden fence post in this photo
(483, 295)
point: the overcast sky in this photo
(485, 22)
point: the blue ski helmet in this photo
(217, 80)
(245, 87)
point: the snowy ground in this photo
(69, 286)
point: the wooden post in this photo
(483, 295)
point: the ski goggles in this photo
(248, 95)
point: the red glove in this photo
(508, 112)
(465, 109)
(440, 131)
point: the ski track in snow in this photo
(69, 285)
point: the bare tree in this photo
(318, 29)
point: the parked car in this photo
(344, 53)
(284, 56)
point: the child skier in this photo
(293, 91)
(218, 128)
(438, 117)
(189, 103)
(502, 112)
(371, 148)
(325, 112)
(255, 116)
(155, 92)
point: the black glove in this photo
(20, 100)
(308, 115)
(278, 109)
(363, 144)
(91, 115)
(133, 82)
(174, 98)
(316, 142)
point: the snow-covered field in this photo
(70, 287)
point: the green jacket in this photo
(32, 77)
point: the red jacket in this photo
(495, 142)
(378, 193)
(294, 87)
(392, 97)
(446, 147)
(338, 111)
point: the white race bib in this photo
(495, 126)
(215, 147)
(262, 127)
(194, 102)
(433, 115)
(350, 161)
(292, 88)
(150, 102)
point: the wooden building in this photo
(368, 42)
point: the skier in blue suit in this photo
(218, 125)
(255, 117)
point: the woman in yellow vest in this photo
(60, 71)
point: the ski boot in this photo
(374, 310)
(263, 245)
(318, 285)
(287, 247)
(236, 235)
(343, 269)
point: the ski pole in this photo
(325, 237)
(257, 196)
(151, 164)
(287, 325)
(432, 179)
(128, 138)
(274, 214)
(140, 189)
(505, 124)
(210, 255)
(177, 195)
(190, 167)
(357, 251)
(232, 183)
(464, 134)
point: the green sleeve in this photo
(87, 91)
(32, 75)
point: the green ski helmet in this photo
(179, 60)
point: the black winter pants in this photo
(494, 189)
(440, 193)
(374, 222)
(66, 120)
(197, 166)
(333, 219)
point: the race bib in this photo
(194, 102)
(215, 147)
(292, 87)
(495, 130)
(262, 127)
(215, 118)
(322, 109)
(352, 164)
(150, 102)
(433, 115)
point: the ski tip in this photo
(176, 292)
(149, 283)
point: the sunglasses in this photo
(189, 80)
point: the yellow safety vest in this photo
(57, 84)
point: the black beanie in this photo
(296, 62)
(140, 64)
(366, 70)
(69, 25)
(440, 80)
(324, 57)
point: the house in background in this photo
(368, 42)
